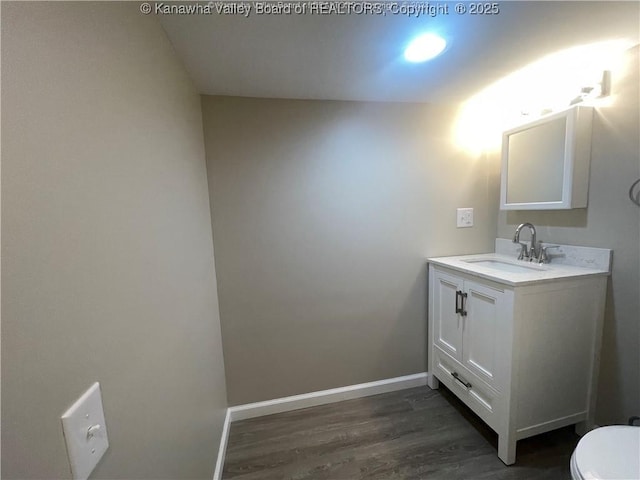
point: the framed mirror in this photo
(545, 163)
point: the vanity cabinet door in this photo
(447, 321)
(484, 332)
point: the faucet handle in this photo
(544, 256)
(524, 252)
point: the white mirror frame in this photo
(577, 157)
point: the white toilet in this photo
(611, 453)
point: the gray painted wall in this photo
(610, 221)
(323, 215)
(107, 255)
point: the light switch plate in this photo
(85, 433)
(464, 217)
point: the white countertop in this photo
(534, 273)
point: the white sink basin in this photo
(504, 266)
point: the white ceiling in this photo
(359, 57)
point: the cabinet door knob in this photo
(458, 301)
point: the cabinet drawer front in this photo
(476, 394)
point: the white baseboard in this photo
(323, 397)
(312, 399)
(224, 437)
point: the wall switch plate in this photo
(464, 217)
(85, 432)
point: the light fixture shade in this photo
(425, 47)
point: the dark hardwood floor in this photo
(410, 434)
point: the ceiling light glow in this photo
(425, 47)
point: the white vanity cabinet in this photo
(483, 310)
(522, 355)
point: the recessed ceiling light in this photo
(425, 47)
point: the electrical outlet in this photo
(464, 217)
(85, 433)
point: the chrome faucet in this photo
(534, 253)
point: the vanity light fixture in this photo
(424, 47)
(600, 90)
